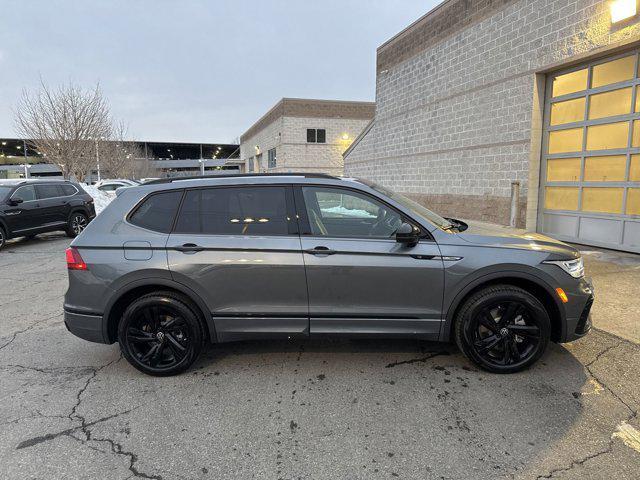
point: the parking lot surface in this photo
(320, 409)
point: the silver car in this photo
(174, 264)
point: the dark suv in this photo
(30, 207)
(173, 264)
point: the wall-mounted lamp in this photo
(345, 136)
(622, 9)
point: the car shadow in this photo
(42, 240)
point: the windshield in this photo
(413, 206)
(4, 191)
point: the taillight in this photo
(74, 260)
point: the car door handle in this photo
(320, 250)
(189, 248)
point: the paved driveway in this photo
(311, 410)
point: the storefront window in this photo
(613, 72)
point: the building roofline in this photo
(312, 107)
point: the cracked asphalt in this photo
(316, 409)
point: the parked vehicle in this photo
(173, 264)
(30, 207)
(110, 186)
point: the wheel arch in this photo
(530, 283)
(125, 295)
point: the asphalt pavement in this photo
(320, 409)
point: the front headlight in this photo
(574, 267)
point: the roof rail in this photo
(240, 175)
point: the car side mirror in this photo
(408, 234)
(15, 201)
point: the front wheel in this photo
(160, 334)
(77, 223)
(502, 329)
(3, 238)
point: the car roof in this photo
(29, 181)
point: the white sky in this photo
(197, 71)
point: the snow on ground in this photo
(348, 212)
(100, 199)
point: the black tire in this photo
(161, 334)
(3, 238)
(77, 222)
(502, 329)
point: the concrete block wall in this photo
(455, 103)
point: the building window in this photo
(271, 158)
(250, 166)
(316, 135)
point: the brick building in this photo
(304, 136)
(514, 110)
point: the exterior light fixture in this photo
(622, 9)
(4, 143)
(345, 136)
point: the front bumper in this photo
(578, 323)
(87, 327)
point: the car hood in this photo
(480, 233)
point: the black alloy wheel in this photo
(77, 223)
(503, 329)
(160, 334)
(2, 237)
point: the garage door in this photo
(590, 176)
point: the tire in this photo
(78, 221)
(3, 238)
(161, 334)
(502, 329)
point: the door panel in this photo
(23, 217)
(51, 205)
(374, 286)
(252, 285)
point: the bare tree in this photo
(121, 157)
(64, 124)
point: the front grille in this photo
(584, 324)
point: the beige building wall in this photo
(285, 126)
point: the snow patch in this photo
(100, 199)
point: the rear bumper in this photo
(87, 327)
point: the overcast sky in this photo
(198, 71)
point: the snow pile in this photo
(100, 199)
(348, 212)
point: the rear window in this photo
(234, 211)
(68, 189)
(157, 211)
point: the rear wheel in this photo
(503, 329)
(77, 223)
(160, 334)
(3, 237)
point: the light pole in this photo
(201, 161)
(97, 159)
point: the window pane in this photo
(561, 198)
(26, 193)
(48, 191)
(570, 82)
(157, 212)
(611, 168)
(562, 141)
(604, 200)
(563, 170)
(633, 201)
(341, 213)
(616, 102)
(634, 171)
(271, 155)
(635, 141)
(607, 136)
(612, 72)
(311, 135)
(234, 211)
(322, 135)
(68, 189)
(567, 111)
(638, 98)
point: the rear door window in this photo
(48, 191)
(157, 212)
(234, 211)
(68, 190)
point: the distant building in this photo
(170, 158)
(523, 111)
(304, 136)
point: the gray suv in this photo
(173, 264)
